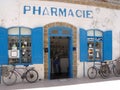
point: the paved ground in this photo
(56, 82)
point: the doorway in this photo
(60, 53)
(59, 56)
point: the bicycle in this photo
(92, 71)
(9, 77)
(112, 68)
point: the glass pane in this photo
(13, 31)
(25, 49)
(99, 39)
(90, 50)
(98, 50)
(25, 31)
(65, 32)
(91, 39)
(90, 33)
(13, 46)
(54, 32)
(98, 33)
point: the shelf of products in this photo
(25, 49)
(59, 45)
(13, 46)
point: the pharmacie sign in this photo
(57, 11)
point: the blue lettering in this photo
(53, 11)
(38, 10)
(70, 13)
(26, 8)
(78, 13)
(89, 14)
(84, 13)
(45, 11)
(62, 12)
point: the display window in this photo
(95, 45)
(19, 45)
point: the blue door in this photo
(3, 46)
(63, 33)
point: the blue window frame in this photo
(19, 45)
(95, 45)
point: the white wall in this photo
(11, 14)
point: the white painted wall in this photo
(11, 14)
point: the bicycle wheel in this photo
(31, 76)
(92, 72)
(9, 79)
(105, 71)
(116, 71)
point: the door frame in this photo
(59, 33)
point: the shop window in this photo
(95, 45)
(19, 45)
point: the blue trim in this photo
(49, 61)
(19, 27)
(70, 57)
(60, 29)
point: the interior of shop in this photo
(59, 55)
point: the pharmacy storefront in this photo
(61, 40)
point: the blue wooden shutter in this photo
(83, 45)
(3, 46)
(37, 45)
(107, 45)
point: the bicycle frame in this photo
(16, 71)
